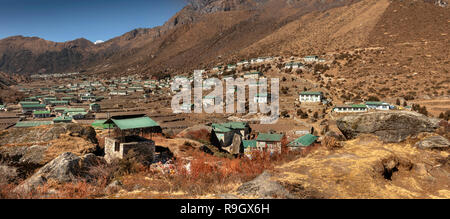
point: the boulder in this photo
(390, 127)
(434, 142)
(64, 168)
(263, 187)
(91, 160)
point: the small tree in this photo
(316, 115)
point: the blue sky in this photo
(64, 20)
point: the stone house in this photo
(269, 142)
(129, 136)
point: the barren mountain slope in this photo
(245, 22)
(317, 32)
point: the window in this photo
(116, 147)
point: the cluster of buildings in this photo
(318, 97)
(360, 108)
(54, 75)
(236, 138)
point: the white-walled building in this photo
(311, 97)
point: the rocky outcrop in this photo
(47, 133)
(388, 126)
(434, 142)
(263, 187)
(366, 168)
(65, 168)
(47, 143)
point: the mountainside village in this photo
(134, 101)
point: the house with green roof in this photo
(28, 124)
(312, 58)
(94, 107)
(74, 110)
(63, 119)
(2, 107)
(47, 100)
(302, 142)
(254, 75)
(41, 113)
(131, 134)
(311, 97)
(28, 109)
(269, 142)
(77, 115)
(59, 103)
(22, 103)
(225, 132)
(249, 146)
(354, 108)
(378, 105)
(243, 62)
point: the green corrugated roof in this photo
(375, 103)
(269, 137)
(235, 125)
(40, 112)
(63, 118)
(304, 141)
(311, 93)
(34, 106)
(220, 128)
(59, 102)
(32, 124)
(71, 110)
(359, 106)
(135, 123)
(249, 143)
(29, 102)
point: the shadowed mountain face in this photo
(206, 32)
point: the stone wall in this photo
(114, 149)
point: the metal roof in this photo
(304, 141)
(269, 137)
(32, 124)
(249, 143)
(40, 112)
(34, 106)
(133, 123)
(311, 93)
